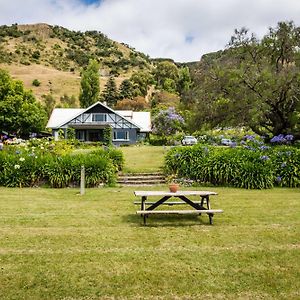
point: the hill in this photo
(55, 57)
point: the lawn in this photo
(144, 158)
(58, 245)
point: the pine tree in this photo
(126, 90)
(110, 94)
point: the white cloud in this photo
(179, 29)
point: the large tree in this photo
(110, 94)
(254, 82)
(126, 89)
(19, 111)
(89, 85)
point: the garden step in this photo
(141, 179)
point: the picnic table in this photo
(199, 207)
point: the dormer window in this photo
(99, 117)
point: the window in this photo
(99, 117)
(121, 135)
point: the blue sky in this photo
(90, 1)
(183, 30)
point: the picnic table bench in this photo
(199, 207)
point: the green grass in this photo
(144, 158)
(58, 245)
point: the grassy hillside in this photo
(55, 56)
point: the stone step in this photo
(141, 183)
(141, 174)
(134, 179)
(141, 178)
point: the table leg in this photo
(208, 207)
(144, 198)
(143, 207)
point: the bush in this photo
(239, 167)
(36, 82)
(47, 162)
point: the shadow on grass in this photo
(166, 220)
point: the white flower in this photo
(42, 147)
(17, 167)
(22, 159)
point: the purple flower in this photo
(278, 179)
(283, 165)
(289, 137)
(281, 138)
(18, 152)
(250, 148)
(249, 137)
(264, 157)
(263, 148)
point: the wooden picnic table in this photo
(199, 207)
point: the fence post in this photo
(82, 181)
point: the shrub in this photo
(39, 162)
(36, 82)
(249, 168)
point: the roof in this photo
(61, 116)
(141, 118)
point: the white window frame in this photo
(118, 139)
(94, 115)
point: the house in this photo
(127, 126)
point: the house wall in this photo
(132, 134)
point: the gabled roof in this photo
(142, 118)
(61, 116)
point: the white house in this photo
(127, 126)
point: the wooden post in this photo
(82, 181)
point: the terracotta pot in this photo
(173, 187)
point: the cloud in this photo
(180, 29)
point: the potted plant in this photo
(173, 185)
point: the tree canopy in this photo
(19, 111)
(89, 85)
(110, 94)
(253, 82)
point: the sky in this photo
(183, 30)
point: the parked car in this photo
(226, 142)
(189, 140)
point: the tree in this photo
(19, 111)
(49, 103)
(166, 71)
(126, 89)
(164, 99)
(89, 85)
(110, 94)
(68, 101)
(254, 83)
(140, 81)
(167, 122)
(137, 104)
(184, 81)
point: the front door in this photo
(95, 135)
